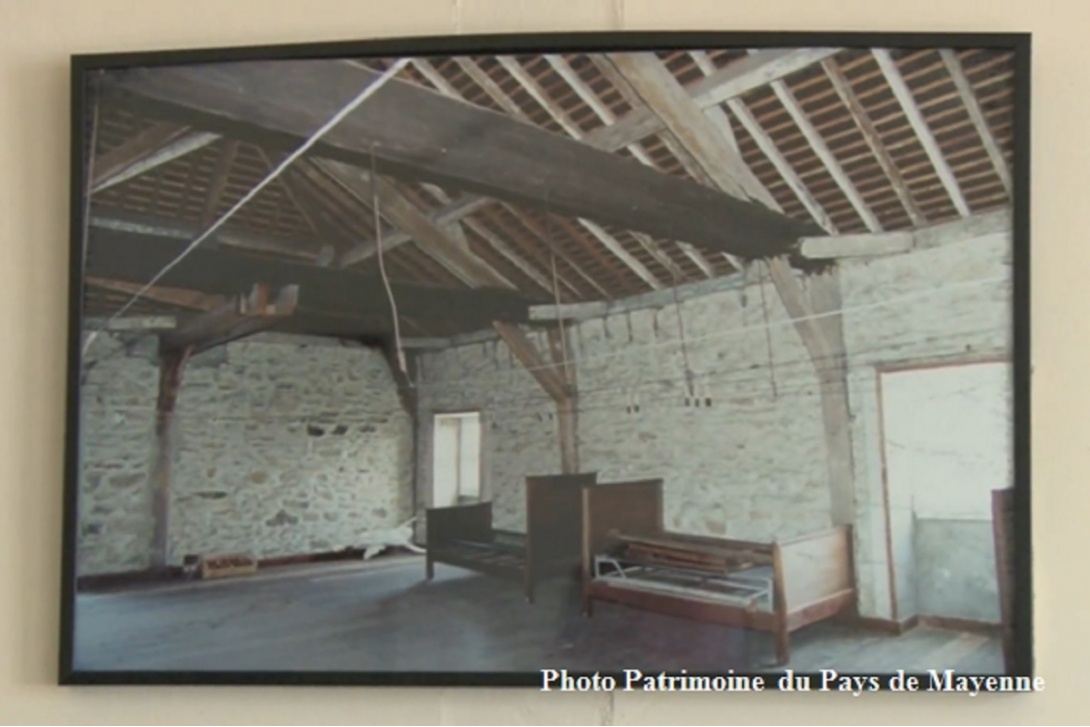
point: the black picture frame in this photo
(85, 66)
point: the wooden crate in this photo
(226, 565)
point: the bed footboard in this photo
(445, 525)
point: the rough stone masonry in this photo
(282, 449)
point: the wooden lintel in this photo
(864, 245)
(892, 243)
(171, 368)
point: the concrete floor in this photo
(383, 616)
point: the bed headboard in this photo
(554, 515)
(633, 508)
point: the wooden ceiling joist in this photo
(873, 140)
(161, 143)
(419, 134)
(832, 165)
(923, 132)
(976, 114)
(432, 239)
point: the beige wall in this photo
(36, 37)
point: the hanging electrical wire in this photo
(556, 293)
(313, 139)
(690, 392)
(400, 351)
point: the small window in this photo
(456, 471)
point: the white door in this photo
(456, 459)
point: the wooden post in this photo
(820, 325)
(171, 366)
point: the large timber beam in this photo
(877, 244)
(152, 148)
(246, 315)
(418, 134)
(407, 217)
(816, 314)
(171, 369)
(136, 258)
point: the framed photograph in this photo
(687, 361)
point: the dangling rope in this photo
(684, 351)
(382, 269)
(556, 293)
(768, 331)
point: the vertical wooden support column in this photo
(171, 367)
(817, 318)
(556, 379)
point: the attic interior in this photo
(687, 359)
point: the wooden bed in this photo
(463, 535)
(629, 558)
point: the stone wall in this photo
(749, 461)
(741, 455)
(940, 305)
(281, 449)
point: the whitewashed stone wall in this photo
(744, 458)
(752, 465)
(941, 305)
(281, 449)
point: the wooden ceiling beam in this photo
(178, 297)
(907, 101)
(603, 112)
(877, 244)
(138, 257)
(297, 248)
(451, 213)
(501, 246)
(782, 166)
(241, 317)
(531, 87)
(218, 183)
(406, 216)
(832, 164)
(422, 135)
(873, 140)
(752, 185)
(747, 74)
(666, 97)
(154, 147)
(546, 374)
(976, 114)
